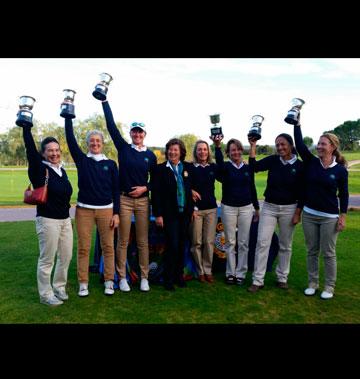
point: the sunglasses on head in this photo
(138, 124)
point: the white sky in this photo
(176, 96)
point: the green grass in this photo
(352, 155)
(198, 303)
(355, 166)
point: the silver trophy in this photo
(215, 130)
(255, 130)
(293, 114)
(24, 115)
(67, 106)
(102, 87)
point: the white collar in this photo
(168, 164)
(57, 169)
(97, 157)
(143, 148)
(290, 161)
(236, 166)
(202, 165)
(334, 163)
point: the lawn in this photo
(198, 303)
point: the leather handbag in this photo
(39, 195)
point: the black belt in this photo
(123, 193)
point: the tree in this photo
(189, 142)
(308, 141)
(349, 134)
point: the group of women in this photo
(183, 195)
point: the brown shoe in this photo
(282, 285)
(254, 288)
(202, 278)
(209, 278)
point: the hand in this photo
(137, 191)
(159, 221)
(256, 216)
(217, 139)
(252, 141)
(194, 215)
(195, 195)
(114, 222)
(297, 216)
(341, 223)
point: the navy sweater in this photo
(135, 167)
(322, 185)
(284, 182)
(203, 182)
(98, 181)
(59, 187)
(238, 186)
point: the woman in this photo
(136, 166)
(97, 203)
(325, 177)
(53, 223)
(282, 206)
(239, 197)
(203, 227)
(173, 209)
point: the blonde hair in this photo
(208, 160)
(334, 140)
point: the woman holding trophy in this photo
(136, 167)
(97, 201)
(282, 206)
(326, 180)
(53, 223)
(239, 197)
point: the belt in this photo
(123, 193)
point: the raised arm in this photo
(33, 156)
(302, 149)
(116, 136)
(74, 148)
(262, 164)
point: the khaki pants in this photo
(270, 216)
(140, 208)
(203, 230)
(55, 239)
(320, 234)
(85, 220)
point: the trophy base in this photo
(254, 136)
(24, 123)
(67, 115)
(291, 120)
(24, 119)
(99, 95)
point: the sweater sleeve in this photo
(151, 173)
(116, 189)
(302, 149)
(343, 193)
(116, 136)
(74, 148)
(261, 165)
(254, 198)
(219, 158)
(156, 193)
(33, 156)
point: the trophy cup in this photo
(255, 130)
(24, 115)
(216, 130)
(293, 114)
(102, 87)
(67, 106)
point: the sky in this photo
(175, 96)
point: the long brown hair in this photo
(334, 140)
(208, 160)
(176, 141)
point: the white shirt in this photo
(334, 163)
(199, 164)
(137, 148)
(290, 161)
(57, 169)
(97, 157)
(236, 166)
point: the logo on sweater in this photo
(146, 159)
(211, 173)
(106, 168)
(332, 176)
(246, 173)
(293, 171)
(186, 174)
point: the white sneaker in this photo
(124, 286)
(326, 295)
(310, 291)
(144, 285)
(61, 294)
(83, 290)
(51, 300)
(109, 287)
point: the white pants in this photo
(55, 239)
(240, 218)
(272, 214)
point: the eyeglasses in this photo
(140, 124)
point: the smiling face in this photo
(52, 153)
(324, 147)
(137, 136)
(283, 148)
(235, 153)
(95, 144)
(174, 154)
(202, 153)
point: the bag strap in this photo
(47, 177)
